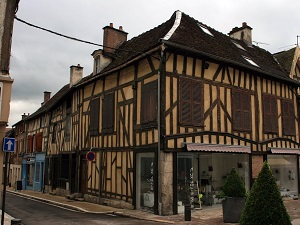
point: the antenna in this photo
(261, 43)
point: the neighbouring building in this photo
(8, 9)
(167, 114)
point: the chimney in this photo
(113, 38)
(47, 95)
(24, 116)
(75, 74)
(243, 33)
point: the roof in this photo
(52, 102)
(285, 58)
(191, 39)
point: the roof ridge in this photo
(175, 25)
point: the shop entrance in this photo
(145, 181)
(202, 175)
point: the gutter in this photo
(159, 181)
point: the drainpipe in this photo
(159, 184)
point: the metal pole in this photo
(4, 188)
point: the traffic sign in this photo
(90, 156)
(8, 144)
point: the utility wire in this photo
(72, 38)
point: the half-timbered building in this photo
(166, 115)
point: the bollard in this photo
(187, 212)
(16, 222)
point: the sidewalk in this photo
(211, 215)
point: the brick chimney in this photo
(24, 116)
(47, 96)
(76, 73)
(243, 33)
(113, 38)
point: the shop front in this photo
(201, 172)
(145, 181)
(33, 171)
(285, 168)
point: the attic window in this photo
(238, 45)
(205, 29)
(250, 61)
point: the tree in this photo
(264, 204)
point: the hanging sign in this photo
(90, 156)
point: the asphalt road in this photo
(33, 212)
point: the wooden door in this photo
(83, 176)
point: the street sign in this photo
(90, 156)
(8, 144)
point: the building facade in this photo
(167, 115)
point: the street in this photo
(33, 212)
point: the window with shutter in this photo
(38, 142)
(94, 116)
(54, 133)
(191, 102)
(288, 117)
(241, 110)
(149, 105)
(108, 113)
(29, 146)
(270, 114)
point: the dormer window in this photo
(97, 64)
(249, 60)
(238, 45)
(205, 29)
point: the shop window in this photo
(37, 172)
(191, 102)
(241, 110)
(270, 114)
(94, 116)
(149, 105)
(108, 114)
(288, 117)
(284, 169)
(145, 181)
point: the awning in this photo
(218, 148)
(285, 150)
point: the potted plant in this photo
(234, 194)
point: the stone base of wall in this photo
(56, 191)
(109, 202)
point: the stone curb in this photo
(142, 218)
(76, 208)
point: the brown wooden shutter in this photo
(288, 117)
(108, 113)
(149, 104)
(191, 102)
(241, 110)
(38, 142)
(94, 116)
(185, 101)
(197, 103)
(29, 143)
(270, 114)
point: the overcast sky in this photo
(41, 61)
